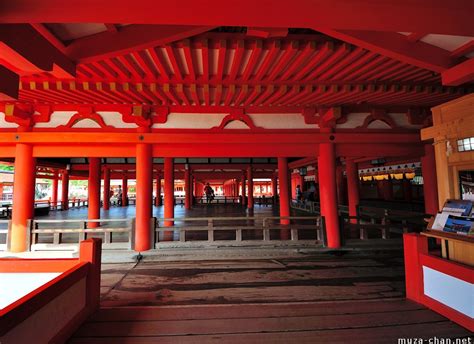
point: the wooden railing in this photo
(120, 233)
(233, 200)
(370, 219)
(246, 230)
(385, 225)
(52, 312)
(5, 226)
(440, 284)
(221, 231)
(309, 206)
(46, 234)
(217, 200)
(6, 209)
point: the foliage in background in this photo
(6, 168)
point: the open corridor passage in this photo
(254, 296)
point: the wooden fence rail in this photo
(105, 229)
(5, 227)
(258, 227)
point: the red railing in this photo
(435, 293)
(35, 316)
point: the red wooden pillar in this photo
(328, 192)
(106, 188)
(144, 187)
(90, 251)
(54, 191)
(65, 190)
(430, 186)
(187, 189)
(124, 191)
(93, 187)
(244, 200)
(352, 173)
(250, 183)
(414, 245)
(284, 194)
(23, 196)
(158, 189)
(169, 195)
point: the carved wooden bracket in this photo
(85, 113)
(237, 115)
(378, 115)
(26, 115)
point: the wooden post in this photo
(23, 196)
(94, 192)
(328, 192)
(144, 187)
(90, 251)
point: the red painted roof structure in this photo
(190, 60)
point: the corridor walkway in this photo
(303, 298)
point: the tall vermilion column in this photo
(106, 195)
(284, 192)
(23, 196)
(187, 189)
(65, 190)
(169, 194)
(430, 186)
(158, 189)
(124, 191)
(144, 198)
(54, 191)
(93, 188)
(250, 183)
(328, 193)
(244, 200)
(352, 173)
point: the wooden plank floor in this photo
(357, 297)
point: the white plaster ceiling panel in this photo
(191, 121)
(5, 124)
(281, 121)
(354, 120)
(236, 125)
(447, 42)
(57, 118)
(70, 31)
(401, 120)
(86, 123)
(114, 119)
(378, 124)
